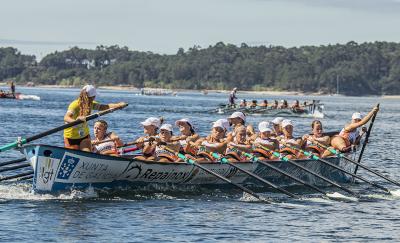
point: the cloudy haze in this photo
(162, 26)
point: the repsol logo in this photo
(149, 174)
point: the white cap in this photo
(186, 120)
(264, 127)
(167, 127)
(239, 114)
(151, 121)
(235, 88)
(277, 120)
(286, 123)
(356, 115)
(222, 123)
(90, 90)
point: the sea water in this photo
(196, 215)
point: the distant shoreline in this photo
(131, 88)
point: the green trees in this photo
(367, 68)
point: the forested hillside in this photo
(361, 69)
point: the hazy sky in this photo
(162, 26)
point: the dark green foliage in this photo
(368, 68)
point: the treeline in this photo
(360, 69)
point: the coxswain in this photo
(12, 88)
(77, 137)
(350, 134)
(232, 97)
(104, 142)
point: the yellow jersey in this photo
(80, 130)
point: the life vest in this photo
(161, 152)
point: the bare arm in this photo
(356, 125)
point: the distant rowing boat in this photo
(58, 169)
(315, 111)
(18, 96)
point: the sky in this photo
(40, 27)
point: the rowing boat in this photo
(18, 96)
(310, 111)
(58, 169)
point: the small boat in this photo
(18, 96)
(58, 169)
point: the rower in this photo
(349, 135)
(150, 130)
(12, 88)
(188, 135)
(287, 137)
(275, 105)
(284, 104)
(158, 148)
(238, 119)
(296, 106)
(104, 142)
(243, 103)
(215, 142)
(241, 143)
(77, 137)
(264, 103)
(264, 138)
(253, 104)
(317, 136)
(276, 126)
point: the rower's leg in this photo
(339, 143)
(86, 145)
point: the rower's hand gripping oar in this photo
(192, 162)
(225, 161)
(315, 157)
(22, 141)
(257, 160)
(341, 155)
(284, 158)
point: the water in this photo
(201, 215)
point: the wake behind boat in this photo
(17, 96)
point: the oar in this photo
(315, 157)
(15, 167)
(192, 162)
(284, 158)
(225, 161)
(341, 155)
(22, 141)
(366, 140)
(25, 178)
(15, 161)
(16, 176)
(257, 160)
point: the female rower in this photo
(309, 142)
(236, 120)
(243, 103)
(239, 144)
(287, 140)
(284, 105)
(253, 104)
(264, 139)
(77, 137)
(275, 105)
(264, 103)
(150, 129)
(188, 135)
(104, 142)
(215, 142)
(158, 148)
(276, 126)
(349, 134)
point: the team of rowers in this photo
(283, 105)
(231, 138)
